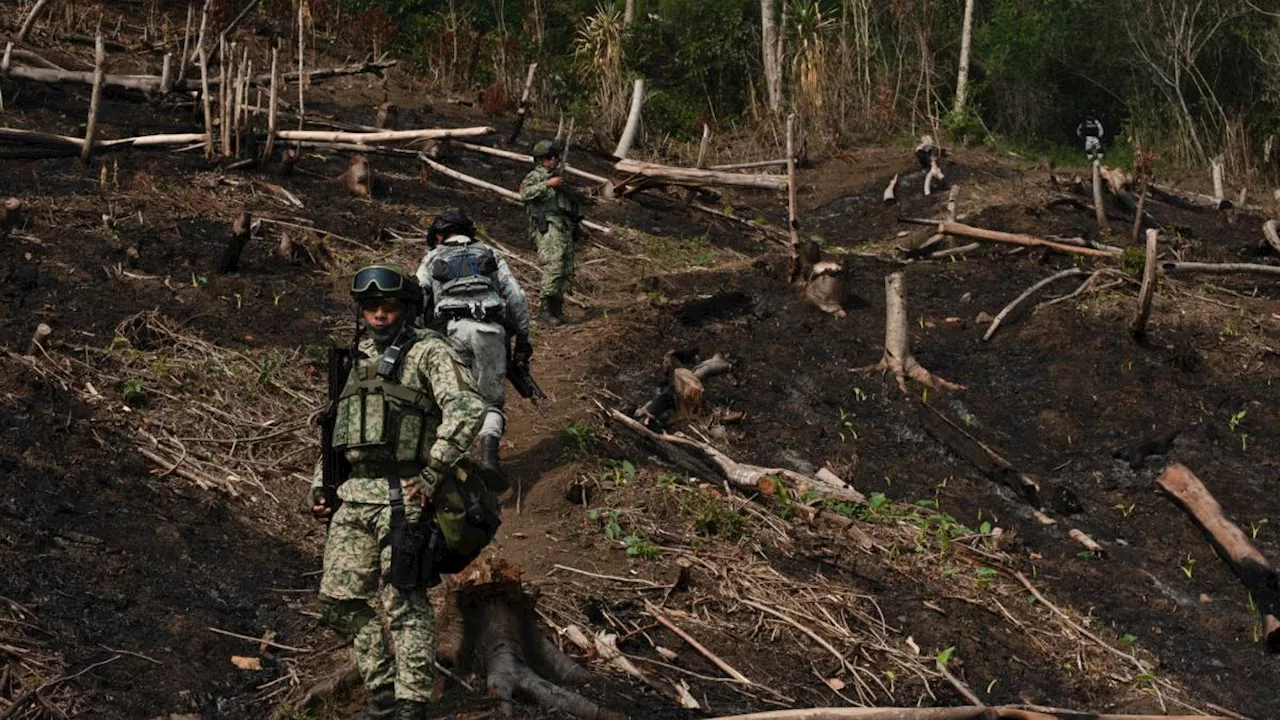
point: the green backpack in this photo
(466, 511)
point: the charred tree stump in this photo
(1098, 207)
(501, 641)
(793, 225)
(654, 411)
(890, 191)
(897, 349)
(1232, 545)
(10, 216)
(241, 230)
(1138, 327)
(358, 178)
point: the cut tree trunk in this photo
(1219, 197)
(703, 146)
(526, 159)
(891, 191)
(934, 178)
(241, 231)
(95, 99)
(273, 106)
(749, 165)
(772, 60)
(10, 215)
(1270, 236)
(1099, 209)
(633, 121)
(653, 413)
(693, 176)
(522, 113)
(1231, 545)
(1140, 213)
(1138, 327)
(962, 230)
(793, 225)
(502, 642)
(897, 349)
(384, 136)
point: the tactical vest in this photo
(362, 413)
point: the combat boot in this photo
(494, 477)
(382, 705)
(413, 710)
(552, 312)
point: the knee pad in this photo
(495, 422)
(348, 616)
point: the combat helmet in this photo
(547, 148)
(448, 224)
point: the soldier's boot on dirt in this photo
(494, 477)
(413, 710)
(552, 312)
(382, 705)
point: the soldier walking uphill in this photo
(471, 295)
(400, 427)
(554, 220)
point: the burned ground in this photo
(111, 555)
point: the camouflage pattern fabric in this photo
(357, 550)
(556, 245)
(354, 559)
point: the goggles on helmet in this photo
(377, 281)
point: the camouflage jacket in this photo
(557, 204)
(438, 423)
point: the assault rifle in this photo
(522, 380)
(333, 466)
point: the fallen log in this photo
(1069, 272)
(508, 194)
(1220, 268)
(897, 349)
(154, 83)
(340, 136)
(653, 412)
(1232, 545)
(527, 160)
(749, 165)
(693, 176)
(1138, 326)
(961, 713)
(962, 230)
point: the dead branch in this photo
(793, 225)
(30, 21)
(1232, 546)
(382, 136)
(606, 648)
(523, 111)
(987, 461)
(995, 324)
(771, 233)
(703, 146)
(716, 660)
(897, 350)
(962, 230)
(1220, 268)
(91, 127)
(153, 83)
(1083, 538)
(1098, 207)
(1138, 326)
(666, 174)
(962, 713)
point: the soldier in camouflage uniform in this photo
(554, 221)
(439, 415)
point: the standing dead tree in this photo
(1231, 545)
(897, 347)
(962, 77)
(1138, 327)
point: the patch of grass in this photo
(713, 516)
(641, 549)
(677, 252)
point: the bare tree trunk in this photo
(30, 21)
(302, 77)
(1142, 204)
(273, 106)
(793, 226)
(1098, 207)
(91, 127)
(204, 98)
(186, 43)
(897, 347)
(962, 77)
(633, 120)
(703, 146)
(1139, 325)
(772, 59)
(523, 111)
(628, 13)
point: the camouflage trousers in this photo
(357, 554)
(555, 254)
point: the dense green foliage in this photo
(1189, 78)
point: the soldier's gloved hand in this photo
(319, 508)
(523, 350)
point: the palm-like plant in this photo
(599, 43)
